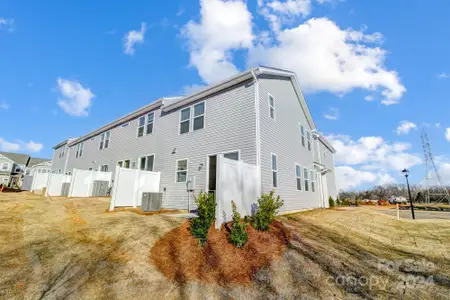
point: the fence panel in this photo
(129, 184)
(27, 182)
(56, 183)
(39, 181)
(82, 184)
(239, 182)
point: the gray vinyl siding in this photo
(328, 162)
(282, 137)
(59, 162)
(229, 125)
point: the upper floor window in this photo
(274, 170)
(5, 166)
(181, 172)
(146, 163)
(61, 151)
(79, 152)
(145, 124)
(302, 133)
(141, 126)
(150, 119)
(298, 176)
(308, 136)
(271, 106)
(197, 118)
(104, 140)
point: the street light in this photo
(406, 172)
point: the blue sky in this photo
(65, 69)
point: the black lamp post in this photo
(406, 172)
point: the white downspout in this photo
(258, 129)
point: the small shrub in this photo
(357, 202)
(331, 202)
(239, 236)
(206, 215)
(291, 218)
(338, 202)
(268, 207)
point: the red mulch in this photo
(181, 258)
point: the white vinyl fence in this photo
(129, 184)
(36, 182)
(239, 182)
(80, 184)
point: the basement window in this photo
(298, 176)
(181, 172)
(274, 170)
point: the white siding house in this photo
(256, 116)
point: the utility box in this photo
(190, 184)
(151, 201)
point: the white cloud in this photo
(443, 75)
(437, 125)
(291, 7)
(191, 89)
(20, 146)
(33, 147)
(384, 179)
(405, 127)
(7, 24)
(134, 37)
(75, 98)
(333, 114)
(447, 134)
(8, 146)
(349, 178)
(328, 58)
(224, 26)
(373, 153)
(4, 105)
(369, 98)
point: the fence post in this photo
(72, 180)
(114, 192)
(136, 187)
(219, 163)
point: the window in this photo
(271, 106)
(302, 132)
(308, 135)
(232, 155)
(305, 175)
(120, 164)
(298, 176)
(312, 177)
(274, 171)
(125, 124)
(185, 116)
(126, 164)
(104, 168)
(5, 166)
(61, 151)
(146, 163)
(79, 150)
(27, 172)
(141, 126)
(150, 118)
(199, 116)
(104, 140)
(181, 172)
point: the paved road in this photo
(419, 214)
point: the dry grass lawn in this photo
(73, 249)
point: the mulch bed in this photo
(140, 211)
(181, 258)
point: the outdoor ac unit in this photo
(151, 201)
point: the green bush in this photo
(206, 215)
(331, 202)
(239, 236)
(338, 202)
(357, 202)
(268, 207)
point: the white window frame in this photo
(274, 171)
(306, 179)
(298, 177)
(123, 163)
(143, 126)
(147, 122)
(105, 137)
(79, 152)
(192, 117)
(269, 95)
(102, 169)
(312, 180)
(81, 148)
(308, 138)
(146, 157)
(178, 171)
(302, 134)
(5, 166)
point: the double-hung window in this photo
(298, 176)
(308, 136)
(274, 170)
(5, 166)
(271, 106)
(199, 116)
(141, 126)
(104, 140)
(146, 163)
(104, 168)
(79, 152)
(302, 132)
(306, 178)
(61, 151)
(313, 181)
(150, 119)
(181, 171)
(185, 120)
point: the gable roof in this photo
(35, 161)
(18, 158)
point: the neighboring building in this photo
(258, 116)
(12, 166)
(38, 165)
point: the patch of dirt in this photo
(181, 258)
(140, 211)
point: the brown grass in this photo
(139, 211)
(181, 258)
